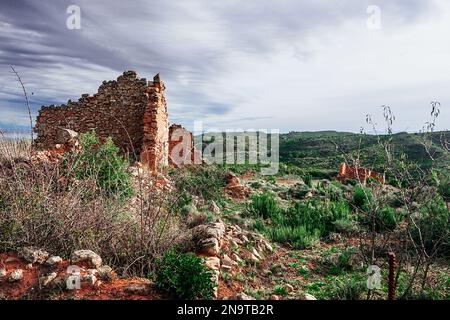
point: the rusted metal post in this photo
(392, 272)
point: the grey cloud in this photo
(191, 43)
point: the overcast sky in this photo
(257, 64)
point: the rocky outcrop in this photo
(234, 188)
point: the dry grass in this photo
(39, 207)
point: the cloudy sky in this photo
(259, 64)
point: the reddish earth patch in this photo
(29, 287)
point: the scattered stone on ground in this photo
(89, 256)
(33, 255)
(16, 275)
(53, 260)
(243, 296)
(46, 280)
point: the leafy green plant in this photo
(201, 181)
(184, 276)
(263, 206)
(299, 237)
(433, 227)
(101, 162)
(308, 180)
(362, 197)
(280, 290)
(388, 219)
(348, 288)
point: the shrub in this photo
(302, 224)
(38, 211)
(337, 263)
(348, 288)
(442, 179)
(433, 227)
(102, 163)
(299, 237)
(184, 276)
(201, 181)
(263, 206)
(317, 214)
(362, 197)
(280, 290)
(388, 219)
(298, 191)
(308, 180)
(345, 225)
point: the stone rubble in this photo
(89, 256)
(33, 255)
(16, 275)
(53, 260)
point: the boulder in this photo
(137, 288)
(16, 275)
(33, 255)
(212, 230)
(93, 259)
(53, 260)
(212, 263)
(236, 258)
(251, 257)
(209, 247)
(243, 296)
(88, 279)
(289, 288)
(309, 297)
(106, 273)
(46, 280)
(256, 254)
(227, 263)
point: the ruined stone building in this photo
(131, 110)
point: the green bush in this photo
(388, 219)
(302, 224)
(348, 288)
(345, 226)
(102, 163)
(183, 276)
(299, 237)
(339, 263)
(362, 197)
(308, 180)
(432, 226)
(201, 180)
(316, 214)
(263, 206)
(442, 180)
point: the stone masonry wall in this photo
(130, 110)
(181, 147)
(155, 149)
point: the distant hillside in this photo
(321, 153)
(323, 150)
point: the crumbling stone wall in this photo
(181, 147)
(131, 110)
(155, 148)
